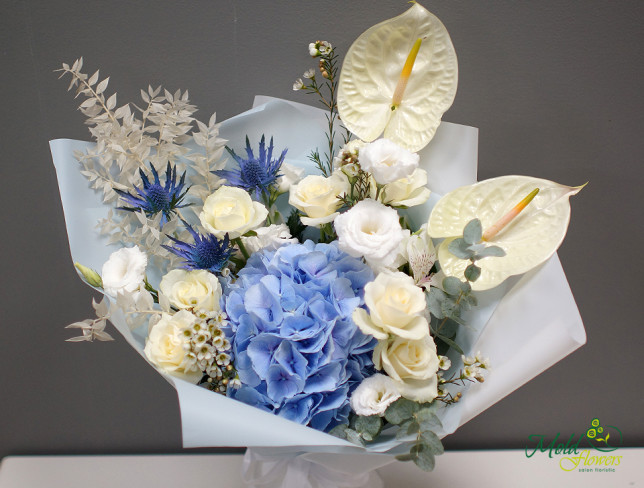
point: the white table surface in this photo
(471, 469)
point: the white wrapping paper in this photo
(524, 326)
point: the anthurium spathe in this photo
(528, 239)
(399, 77)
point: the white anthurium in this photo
(529, 237)
(399, 77)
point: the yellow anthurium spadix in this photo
(398, 78)
(528, 228)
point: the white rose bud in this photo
(407, 192)
(374, 395)
(231, 211)
(290, 176)
(387, 161)
(412, 364)
(196, 289)
(396, 307)
(372, 230)
(317, 197)
(124, 271)
(165, 349)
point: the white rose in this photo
(407, 192)
(196, 289)
(124, 271)
(231, 211)
(396, 307)
(412, 364)
(372, 230)
(374, 395)
(164, 346)
(269, 238)
(290, 176)
(317, 197)
(387, 161)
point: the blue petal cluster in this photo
(154, 197)
(255, 174)
(297, 351)
(207, 252)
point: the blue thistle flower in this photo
(207, 252)
(256, 174)
(154, 197)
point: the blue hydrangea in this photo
(297, 350)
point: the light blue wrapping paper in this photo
(524, 326)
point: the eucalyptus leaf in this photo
(450, 343)
(452, 285)
(431, 440)
(459, 248)
(354, 437)
(371, 425)
(401, 410)
(472, 272)
(339, 431)
(427, 419)
(423, 457)
(473, 232)
(490, 251)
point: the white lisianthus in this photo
(124, 271)
(231, 211)
(290, 175)
(372, 230)
(317, 197)
(374, 395)
(412, 364)
(396, 307)
(270, 238)
(196, 289)
(165, 349)
(407, 192)
(387, 161)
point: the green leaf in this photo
(452, 285)
(370, 425)
(450, 343)
(339, 431)
(435, 299)
(404, 457)
(401, 410)
(422, 455)
(354, 437)
(459, 248)
(472, 272)
(495, 251)
(407, 428)
(427, 419)
(431, 440)
(472, 232)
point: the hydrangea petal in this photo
(371, 71)
(530, 239)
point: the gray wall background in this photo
(554, 86)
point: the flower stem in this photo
(242, 248)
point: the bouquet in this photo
(319, 277)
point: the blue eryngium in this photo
(255, 174)
(154, 197)
(207, 252)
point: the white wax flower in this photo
(372, 230)
(349, 153)
(396, 307)
(165, 349)
(290, 175)
(317, 197)
(231, 211)
(374, 395)
(196, 289)
(124, 271)
(387, 161)
(407, 192)
(269, 238)
(298, 85)
(412, 364)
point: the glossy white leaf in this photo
(528, 240)
(371, 72)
